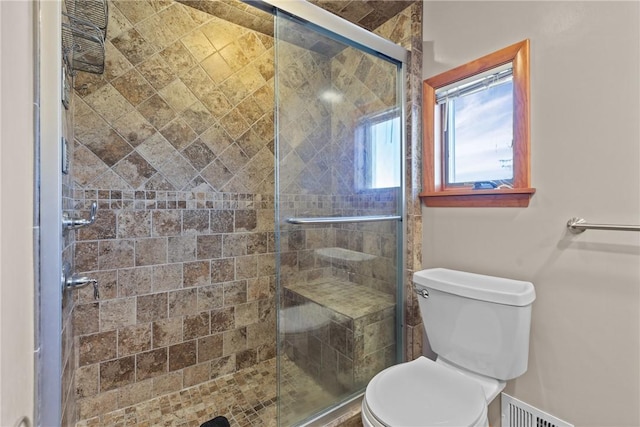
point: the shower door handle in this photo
(343, 219)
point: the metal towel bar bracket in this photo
(579, 225)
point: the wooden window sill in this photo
(504, 197)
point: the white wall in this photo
(16, 212)
(585, 73)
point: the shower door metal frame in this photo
(48, 215)
(331, 25)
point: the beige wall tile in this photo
(196, 273)
(167, 383)
(235, 292)
(210, 297)
(134, 339)
(117, 313)
(156, 111)
(198, 45)
(134, 11)
(223, 319)
(183, 302)
(109, 103)
(181, 249)
(87, 380)
(196, 325)
(209, 347)
(135, 393)
(152, 307)
(234, 341)
(117, 373)
(157, 72)
(150, 251)
(115, 254)
(246, 314)
(177, 95)
(166, 223)
(151, 363)
(178, 58)
(133, 87)
(167, 277)
(134, 281)
(195, 221)
(196, 374)
(134, 128)
(167, 332)
(197, 117)
(209, 246)
(133, 46)
(97, 347)
(223, 365)
(96, 405)
(86, 319)
(182, 355)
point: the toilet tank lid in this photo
(476, 286)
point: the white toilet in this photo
(479, 327)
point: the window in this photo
(476, 132)
(378, 151)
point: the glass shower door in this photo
(339, 207)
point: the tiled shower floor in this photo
(246, 398)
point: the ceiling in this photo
(369, 14)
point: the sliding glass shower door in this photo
(339, 207)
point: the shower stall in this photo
(247, 164)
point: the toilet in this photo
(479, 328)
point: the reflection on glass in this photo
(378, 162)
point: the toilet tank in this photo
(480, 323)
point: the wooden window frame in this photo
(434, 192)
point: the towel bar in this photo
(579, 225)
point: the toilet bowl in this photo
(423, 393)
(479, 328)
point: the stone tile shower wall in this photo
(175, 142)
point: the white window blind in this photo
(475, 83)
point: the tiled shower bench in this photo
(340, 332)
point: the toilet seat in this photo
(422, 393)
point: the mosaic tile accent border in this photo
(151, 200)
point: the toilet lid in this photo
(423, 393)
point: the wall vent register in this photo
(516, 413)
